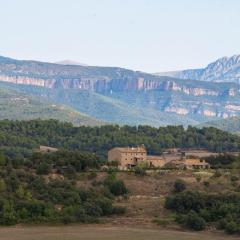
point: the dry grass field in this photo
(102, 233)
(145, 202)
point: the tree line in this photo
(22, 136)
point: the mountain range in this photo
(226, 69)
(123, 96)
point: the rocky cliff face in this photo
(226, 69)
(204, 110)
(118, 85)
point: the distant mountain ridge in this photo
(121, 95)
(230, 124)
(226, 69)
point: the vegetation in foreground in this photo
(45, 187)
(197, 209)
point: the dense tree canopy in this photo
(25, 135)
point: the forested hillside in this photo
(27, 135)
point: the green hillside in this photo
(14, 105)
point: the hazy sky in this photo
(147, 35)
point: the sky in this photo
(146, 35)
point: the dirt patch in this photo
(81, 232)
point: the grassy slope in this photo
(14, 105)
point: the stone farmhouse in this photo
(130, 157)
(189, 163)
(46, 149)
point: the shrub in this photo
(179, 186)
(2, 160)
(8, 215)
(105, 204)
(140, 171)
(194, 221)
(232, 227)
(234, 178)
(198, 178)
(206, 183)
(2, 185)
(222, 160)
(194, 208)
(237, 189)
(217, 174)
(116, 187)
(43, 168)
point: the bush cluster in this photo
(196, 209)
(28, 193)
